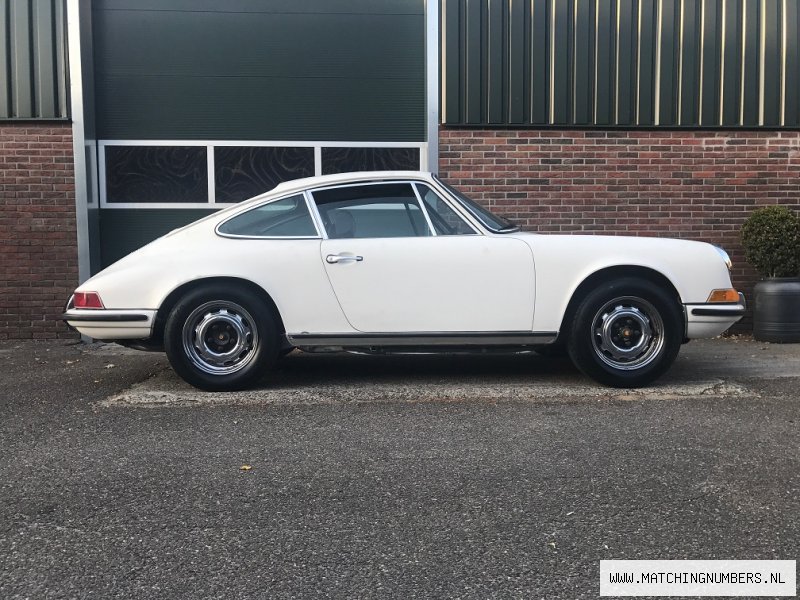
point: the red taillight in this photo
(87, 300)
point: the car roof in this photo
(299, 185)
(339, 178)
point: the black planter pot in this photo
(776, 310)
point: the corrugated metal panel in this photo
(672, 63)
(33, 77)
(791, 70)
(250, 69)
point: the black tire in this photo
(219, 338)
(626, 333)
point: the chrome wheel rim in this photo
(627, 333)
(220, 337)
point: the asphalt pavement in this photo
(375, 477)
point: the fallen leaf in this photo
(245, 468)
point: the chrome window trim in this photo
(312, 207)
(467, 216)
(449, 203)
(434, 233)
(271, 237)
(471, 219)
(466, 210)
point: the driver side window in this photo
(387, 210)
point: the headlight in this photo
(725, 257)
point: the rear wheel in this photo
(220, 339)
(626, 333)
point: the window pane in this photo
(445, 220)
(285, 218)
(243, 172)
(491, 221)
(345, 160)
(175, 174)
(371, 211)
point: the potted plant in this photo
(771, 240)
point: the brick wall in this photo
(688, 184)
(692, 184)
(38, 249)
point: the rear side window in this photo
(371, 211)
(284, 218)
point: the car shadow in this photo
(299, 368)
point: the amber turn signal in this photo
(729, 295)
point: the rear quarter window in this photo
(288, 217)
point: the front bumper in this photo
(711, 319)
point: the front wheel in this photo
(220, 339)
(626, 333)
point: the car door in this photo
(393, 272)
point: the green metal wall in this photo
(250, 69)
(674, 63)
(33, 73)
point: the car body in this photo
(398, 262)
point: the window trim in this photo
(409, 182)
(447, 201)
(103, 180)
(424, 210)
(474, 222)
(212, 203)
(466, 209)
(311, 213)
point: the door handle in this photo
(337, 258)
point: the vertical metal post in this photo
(432, 82)
(78, 138)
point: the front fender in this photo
(564, 262)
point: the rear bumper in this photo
(104, 324)
(710, 319)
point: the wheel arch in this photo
(606, 274)
(175, 295)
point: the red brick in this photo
(38, 252)
(659, 183)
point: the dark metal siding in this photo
(673, 63)
(249, 69)
(33, 74)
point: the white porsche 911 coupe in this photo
(397, 262)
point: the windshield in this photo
(491, 221)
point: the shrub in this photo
(771, 240)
